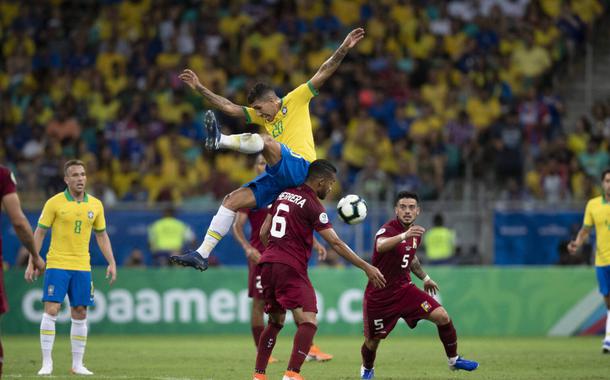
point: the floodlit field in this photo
(232, 357)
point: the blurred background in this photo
(497, 112)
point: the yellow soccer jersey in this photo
(597, 214)
(71, 223)
(291, 126)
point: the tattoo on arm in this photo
(334, 61)
(417, 269)
(217, 101)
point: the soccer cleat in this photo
(466, 365)
(272, 360)
(46, 370)
(315, 354)
(212, 139)
(259, 376)
(606, 347)
(367, 374)
(190, 259)
(81, 371)
(290, 375)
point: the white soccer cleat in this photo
(606, 347)
(46, 370)
(81, 371)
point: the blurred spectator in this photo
(168, 236)
(439, 242)
(135, 259)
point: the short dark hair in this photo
(72, 163)
(607, 171)
(259, 91)
(406, 194)
(438, 219)
(321, 169)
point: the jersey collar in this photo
(70, 198)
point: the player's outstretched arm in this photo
(221, 103)
(581, 238)
(264, 232)
(385, 244)
(103, 241)
(330, 65)
(374, 275)
(429, 285)
(238, 231)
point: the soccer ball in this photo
(352, 209)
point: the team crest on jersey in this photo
(51, 290)
(426, 306)
(323, 218)
(90, 214)
(284, 110)
(380, 232)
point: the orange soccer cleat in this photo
(290, 375)
(259, 376)
(315, 354)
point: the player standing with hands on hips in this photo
(394, 254)
(71, 215)
(288, 148)
(597, 215)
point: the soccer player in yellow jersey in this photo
(71, 215)
(597, 215)
(288, 148)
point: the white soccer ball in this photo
(352, 209)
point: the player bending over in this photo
(394, 254)
(288, 148)
(288, 230)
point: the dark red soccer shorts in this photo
(412, 304)
(3, 299)
(284, 289)
(255, 289)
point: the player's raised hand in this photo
(253, 254)
(430, 286)
(189, 77)
(573, 247)
(111, 273)
(353, 37)
(375, 276)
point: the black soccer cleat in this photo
(190, 259)
(212, 130)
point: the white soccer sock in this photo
(607, 339)
(452, 360)
(47, 338)
(221, 223)
(78, 337)
(245, 142)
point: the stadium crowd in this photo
(436, 90)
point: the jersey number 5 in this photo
(278, 223)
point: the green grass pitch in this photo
(232, 357)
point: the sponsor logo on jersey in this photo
(323, 218)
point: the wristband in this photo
(403, 236)
(426, 278)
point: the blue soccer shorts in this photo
(76, 284)
(290, 171)
(603, 279)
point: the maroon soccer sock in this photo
(1, 358)
(448, 336)
(256, 333)
(265, 346)
(301, 345)
(368, 356)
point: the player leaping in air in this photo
(288, 148)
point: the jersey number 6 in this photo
(278, 223)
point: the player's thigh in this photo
(603, 280)
(291, 170)
(80, 291)
(417, 305)
(243, 197)
(264, 189)
(439, 316)
(272, 150)
(55, 285)
(292, 291)
(378, 321)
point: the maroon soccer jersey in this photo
(297, 212)
(394, 264)
(256, 219)
(7, 186)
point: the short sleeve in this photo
(7, 182)
(384, 231)
(99, 224)
(320, 219)
(302, 94)
(47, 217)
(588, 221)
(252, 117)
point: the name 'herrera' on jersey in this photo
(294, 198)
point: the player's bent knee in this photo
(52, 308)
(440, 316)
